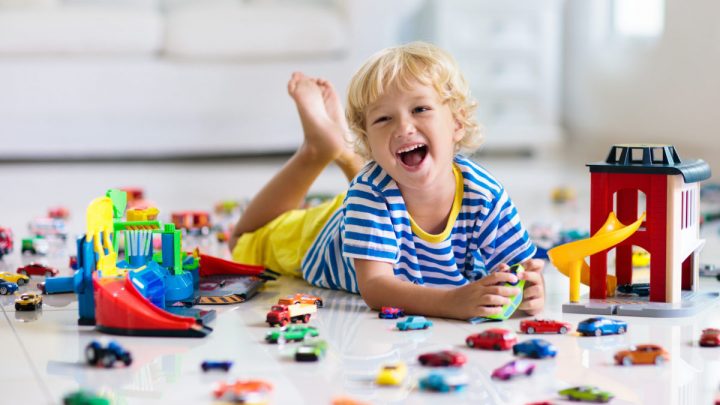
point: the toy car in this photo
(413, 322)
(18, 279)
(444, 381)
(58, 212)
(6, 241)
(301, 299)
(515, 301)
(599, 326)
(639, 289)
(544, 326)
(37, 269)
(208, 365)
(312, 351)
(444, 358)
(709, 270)
(83, 397)
(640, 259)
(292, 333)
(642, 354)
(243, 391)
(390, 313)
(36, 245)
(492, 339)
(710, 337)
(535, 348)
(586, 393)
(392, 374)
(96, 354)
(7, 288)
(28, 301)
(512, 369)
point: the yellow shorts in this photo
(281, 244)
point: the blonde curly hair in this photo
(402, 65)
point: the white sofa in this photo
(96, 78)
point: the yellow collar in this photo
(457, 202)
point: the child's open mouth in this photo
(413, 156)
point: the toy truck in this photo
(282, 314)
(6, 241)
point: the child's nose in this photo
(405, 127)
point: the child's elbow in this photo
(373, 301)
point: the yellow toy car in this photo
(18, 279)
(392, 374)
(640, 258)
(28, 301)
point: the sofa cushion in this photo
(80, 28)
(232, 30)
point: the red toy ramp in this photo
(212, 266)
(121, 310)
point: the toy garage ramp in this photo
(570, 257)
(120, 309)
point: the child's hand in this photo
(534, 295)
(483, 297)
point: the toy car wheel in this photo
(515, 352)
(48, 274)
(23, 272)
(319, 303)
(91, 353)
(659, 360)
(39, 305)
(598, 332)
(470, 343)
(496, 347)
(18, 307)
(530, 330)
(627, 361)
(3, 290)
(108, 360)
(563, 330)
(126, 359)
(306, 318)
(621, 330)
(21, 281)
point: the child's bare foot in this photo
(322, 117)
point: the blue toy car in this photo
(208, 365)
(7, 288)
(414, 322)
(444, 381)
(535, 348)
(599, 326)
(96, 354)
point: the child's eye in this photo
(420, 109)
(381, 119)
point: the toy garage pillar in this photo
(670, 232)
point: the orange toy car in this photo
(300, 298)
(642, 354)
(243, 391)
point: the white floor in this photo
(42, 351)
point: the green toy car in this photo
(292, 333)
(312, 351)
(83, 397)
(586, 393)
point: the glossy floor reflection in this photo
(43, 350)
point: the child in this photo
(421, 227)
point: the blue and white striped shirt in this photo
(484, 230)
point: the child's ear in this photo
(459, 127)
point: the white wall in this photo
(667, 90)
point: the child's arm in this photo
(379, 287)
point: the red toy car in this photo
(38, 269)
(492, 339)
(243, 391)
(544, 326)
(710, 337)
(390, 313)
(444, 358)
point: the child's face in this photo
(412, 135)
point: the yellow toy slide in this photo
(570, 257)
